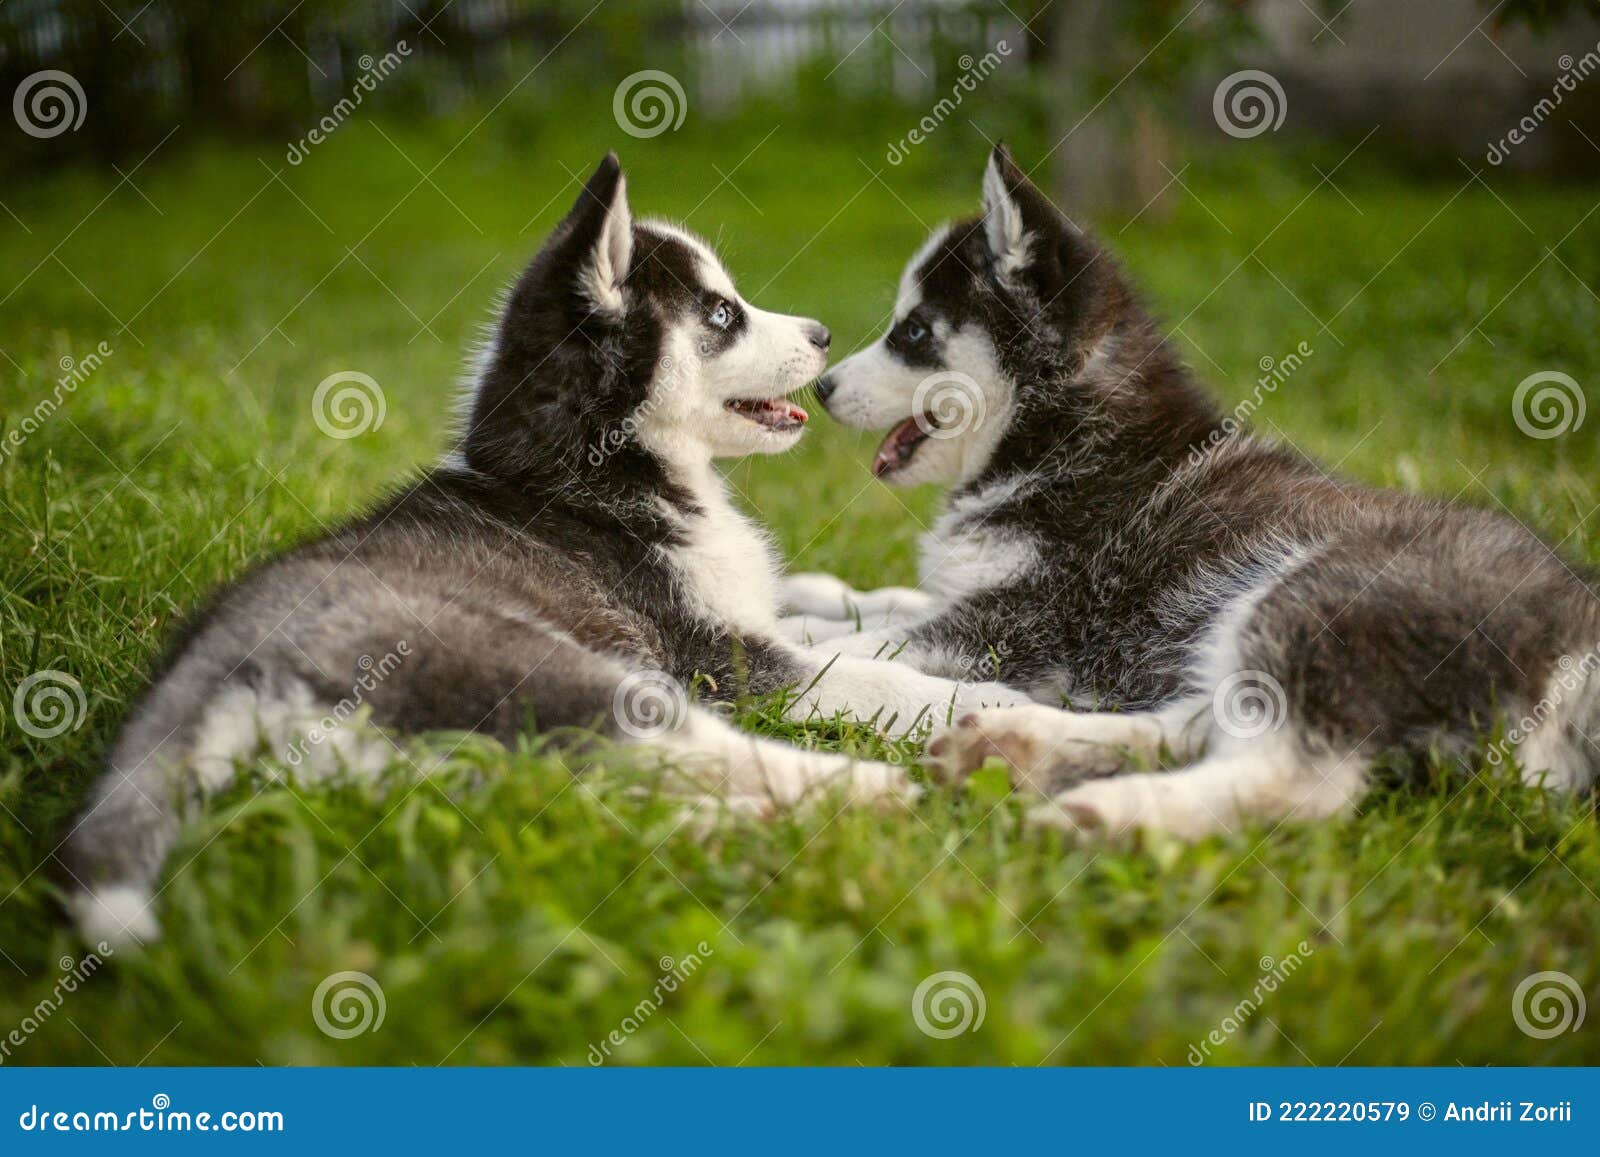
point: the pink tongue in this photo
(896, 448)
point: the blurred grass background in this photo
(510, 917)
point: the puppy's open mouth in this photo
(901, 443)
(776, 414)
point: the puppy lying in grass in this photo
(574, 563)
(1112, 539)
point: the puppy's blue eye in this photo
(912, 330)
(721, 316)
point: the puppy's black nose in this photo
(825, 386)
(819, 336)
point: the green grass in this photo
(510, 917)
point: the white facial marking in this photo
(876, 389)
(685, 416)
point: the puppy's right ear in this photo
(597, 236)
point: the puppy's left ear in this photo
(603, 226)
(1019, 222)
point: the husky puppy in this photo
(575, 563)
(1111, 539)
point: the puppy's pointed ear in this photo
(1019, 222)
(600, 228)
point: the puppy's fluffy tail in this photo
(178, 746)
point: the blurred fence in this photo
(258, 66)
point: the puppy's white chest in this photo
(727, 568)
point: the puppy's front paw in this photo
(1013, 735)
(815, 593)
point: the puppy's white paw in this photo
(815, 593)
(1024, 738)
(1124, 803)
(973, 698)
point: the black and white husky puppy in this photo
(1113, 540)
(575, 562)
